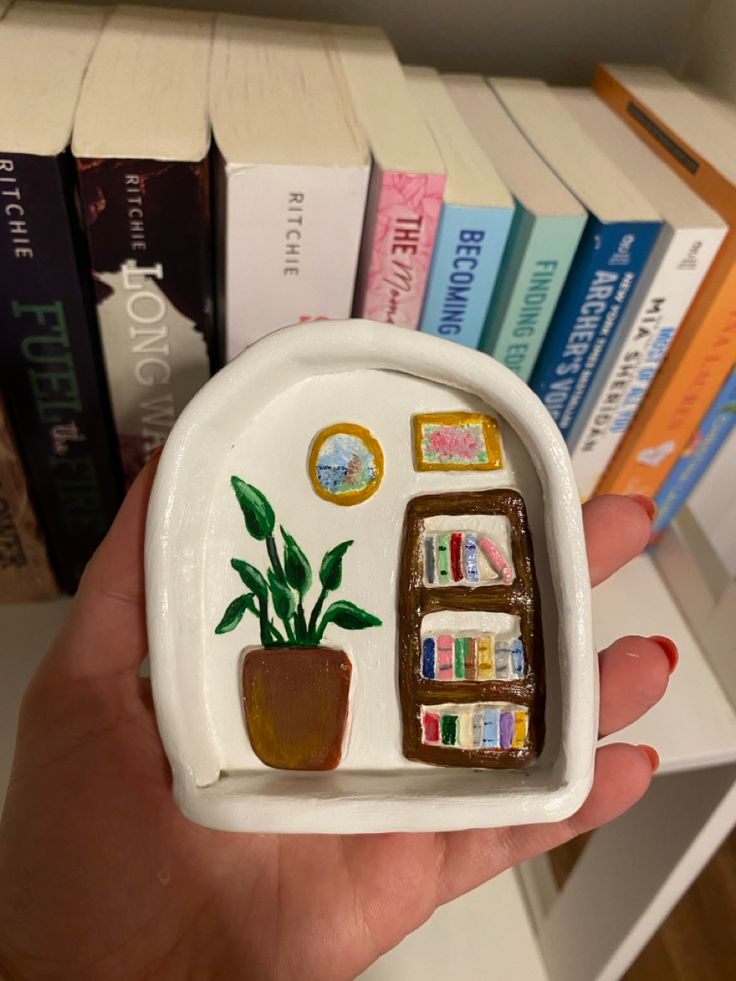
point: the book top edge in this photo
(472, 180)
(678, 205)
(693, 117)
(278, 95)
(38, 95)
(577, 160)
(389, 116)
(144, 95)
(527, 175)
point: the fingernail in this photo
(652, 754)
(670, 649)
(647, 503)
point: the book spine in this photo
(533, 273)
(148, 227)
(292, 244)
(402, 217)
(676, 268)
(467, 257)
(713, 431)
(604, 273)
(698, 361)
(25, 573)
(704, 350)
(51, 366)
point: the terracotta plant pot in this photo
(296, 705)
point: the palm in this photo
(102, 877)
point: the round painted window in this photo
(345, 464)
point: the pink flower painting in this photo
(463, 443)
(456, 441)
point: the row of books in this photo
(484, 725)
(501, 213)
(472, 657)
(464, 557)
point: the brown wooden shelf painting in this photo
(471, 660)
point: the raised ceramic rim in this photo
(218, 800)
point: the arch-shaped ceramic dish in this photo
(256, 419)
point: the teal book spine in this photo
(467, 257)
(534, 269)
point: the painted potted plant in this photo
(295, 689)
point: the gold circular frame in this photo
(347, 498)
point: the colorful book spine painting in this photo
(489, 725)
(445, 657)
(483, 657)
(464, 557)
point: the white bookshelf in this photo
(647, 858)
(637, 601)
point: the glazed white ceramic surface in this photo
(257, 419)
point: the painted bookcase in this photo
(471, 666)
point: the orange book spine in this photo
(704, 350)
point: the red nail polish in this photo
(647, 503)
(652, 754)
(670, 649)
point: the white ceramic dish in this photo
(257, 419)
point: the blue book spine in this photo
(465, 263)
(428, 657)
(711, 434)
(491, 734)
(607, 265)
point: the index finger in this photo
(617, 529)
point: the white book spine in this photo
(675, 270)
(292, 241)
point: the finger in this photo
(105, 632)
(634, 672)
(622, 775)
(616, 530)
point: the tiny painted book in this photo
(25, 572)
(546, 228)
(618, 236)
(50, 364)
(697, 141)
(474, 222)
(292, 177)
(691, 236)
(714, 429)
(141, 139)
(406, 186)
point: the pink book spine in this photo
(401, 226)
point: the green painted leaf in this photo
(348, 616)
(283, 598)
(234, 613)
(296, 565)
(330, 573)
(251, 577)
(258, 513)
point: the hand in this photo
(101, 877)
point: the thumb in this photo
(105, 632)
